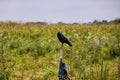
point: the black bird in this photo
(63, 39)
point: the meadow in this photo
(31, 51)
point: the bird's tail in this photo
(69, 43)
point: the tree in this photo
(104, 22)
(117, 20)
(96, 22)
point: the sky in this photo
(53, 11)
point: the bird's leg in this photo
(61, 51)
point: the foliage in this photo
(31, 51)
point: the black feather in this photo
(63, 39)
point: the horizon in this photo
(55, 11)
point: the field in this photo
(31, 51)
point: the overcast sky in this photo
(59, 10)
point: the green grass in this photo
(31, 51)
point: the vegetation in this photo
(31, 51)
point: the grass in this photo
(31, 51)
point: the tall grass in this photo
(31, 51)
